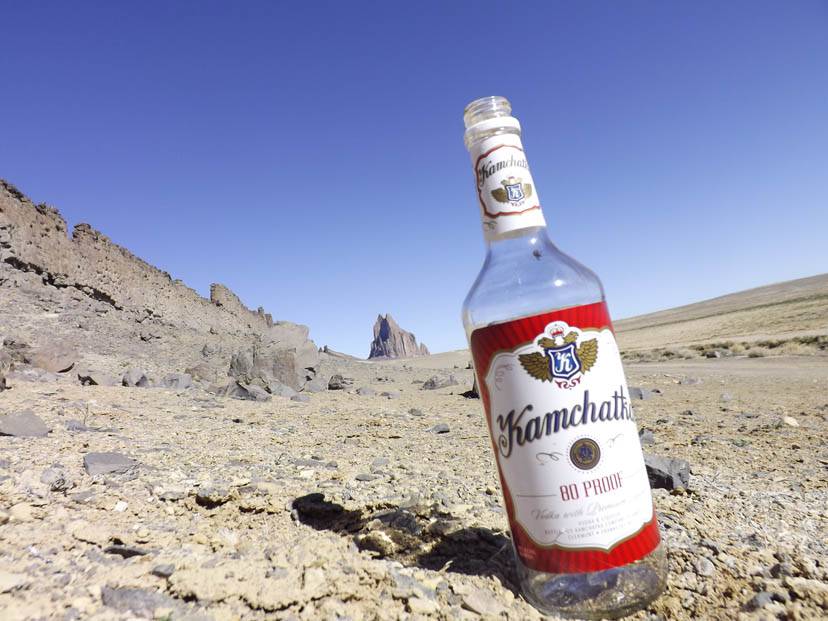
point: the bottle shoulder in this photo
(527, 276)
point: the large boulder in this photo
(263, 365)
(55, 358)
(391, 341)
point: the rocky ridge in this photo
(391, 341)
(61, 290)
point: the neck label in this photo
(506, 191)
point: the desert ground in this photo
(168, 456)
(385, 505)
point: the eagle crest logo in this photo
(562, 359)
(513, 190)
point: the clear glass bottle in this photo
(525, 275)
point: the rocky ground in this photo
(379, 500)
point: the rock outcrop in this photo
(99, 300)
(391, 341)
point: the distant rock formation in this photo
(391, 341)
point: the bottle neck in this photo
(506, 193)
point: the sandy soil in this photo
(352, 506)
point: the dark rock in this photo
(337, 382)
(56, 358)
(760, 600)
(641, 394)
(440, 428)
(26, 424)
(75, 425)
(293, 366)
(212, 496)
(125, 551)
(107, 463)
(435, 382)
(202, 372)
(3, 385)
(177, 381)
(278, 389)
(56, 479)
(163, 571)
(247, 392)
(300, 398)
(93, 378)
(646, 436)
(366, 391)
(135, 378)
(391, 341)
(140, 602)
(667, 473)
(780, 570)
(713, 353)
(474, 393)
(315, 385)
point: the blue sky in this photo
(310, 155)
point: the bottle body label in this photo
(505, 188)
(565, 439)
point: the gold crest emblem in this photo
(513, 190)
(560, 360)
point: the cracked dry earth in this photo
(353, 506)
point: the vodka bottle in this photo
(574, 484)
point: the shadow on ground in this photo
(416, 537)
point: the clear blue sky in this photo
(310, 155)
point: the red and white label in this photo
(564, 435)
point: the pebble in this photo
(418, 605)
(366, 392)
(760, 600)
(704, 567)
(107, 463)
(482, 602)
(300, 398)
(56, 479)
(642, 394)
(646, 436)
(366, 477)
(440, 428)
(415, 412)
(163, 571)
(10, 581)
(790, 421)
(22, 512)
(212, 495)
(667, 473)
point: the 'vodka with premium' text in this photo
(549, 372)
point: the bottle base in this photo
(607, 594)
